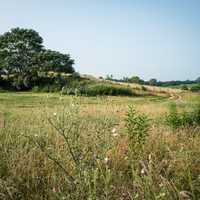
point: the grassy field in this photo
(84, 148)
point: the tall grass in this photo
(58, 153)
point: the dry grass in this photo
(167, 167)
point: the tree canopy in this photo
(153, 81)
(55, 61)
(18, 50)
(23, 57)
(136, 79)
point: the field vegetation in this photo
(56, 146)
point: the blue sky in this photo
(149, 38)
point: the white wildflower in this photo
(55, 114)
(106, 159)
(142, 171)
(150, 156)
(114, 130)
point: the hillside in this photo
(141, 89)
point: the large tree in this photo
(23, 56)
(18, 50)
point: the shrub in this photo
(106, 89)
(91, 88)
(173, 119)
(195, 88)
(184, 87)
(176, 120)
(5, 83)
(196, 114)
(143, 88)
(35, 89)
(137, 126)
(45, 89)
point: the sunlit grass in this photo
(37, 163)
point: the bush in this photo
(35, 89)
(173, 119)
(176, 120)
(184, 87)
(143, 88)
(196, 114)
(5, 83)
(195, 88)
(106, 89)
(137, 126)
(91, 88)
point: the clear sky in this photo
(149, 38)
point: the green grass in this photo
(68, 147)
(26, 99)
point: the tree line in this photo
(155, 82)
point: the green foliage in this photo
(184, 87)
(49, 60)
(18, 50)
(136, 79)
(92, 88)
(195, 88)
(107, 89)
(137, 126)
(183, 119)
(109, 77)
(196, 114)
(76, 75)
(23, 59)
(153, 82)
(173, 118)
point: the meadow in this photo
(55, 146)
